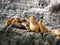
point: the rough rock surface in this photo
(20, 37)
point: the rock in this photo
(26, 38)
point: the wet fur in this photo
(42, 26)
(26, 23)
(16, 23)
(33, 24)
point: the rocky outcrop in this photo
(53, 20)
(21, 37)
